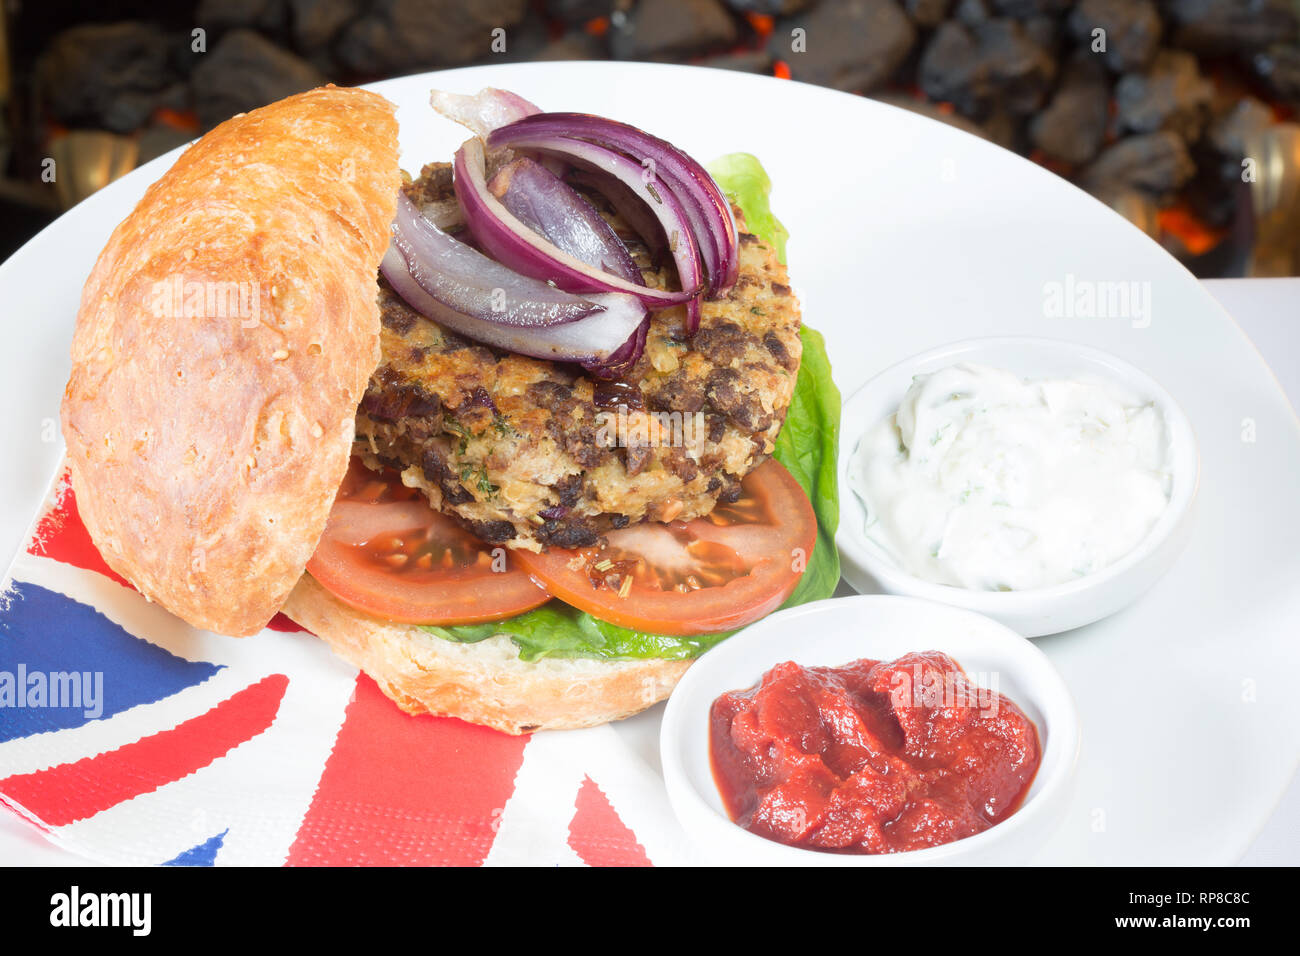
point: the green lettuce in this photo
(743, 178)
(807, 446)
(809, 441)
(558, 630)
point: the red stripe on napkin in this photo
(282, 622)
(598, 835)
(74, 791)
(404, 790)
(62, 535)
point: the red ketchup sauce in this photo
(871, 757)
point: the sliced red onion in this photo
(606, 338)
(706, 207)
(483, 112)
(621, 362)
(629, 207)
(548, 205)
(425, 267)
(466, 281)
(505, 238)
(651, 189)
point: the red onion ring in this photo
(629, 207)
(549, 206)
(706, 207)
(483, 112)
(440, 278)
(512, 243)
(466, 281)
(652, 190)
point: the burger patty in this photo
(526, 452)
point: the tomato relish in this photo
(871, 757)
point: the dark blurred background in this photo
(1178, 113)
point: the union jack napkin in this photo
(129, 737)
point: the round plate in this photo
(906, 234)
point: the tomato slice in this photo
(715, 573)
(385, 551)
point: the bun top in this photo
(224, 340)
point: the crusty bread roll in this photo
(485, 683)
(224, 340)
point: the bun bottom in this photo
(483, 683)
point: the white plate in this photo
(907, 234)
(879, 627)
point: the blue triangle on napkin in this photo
(64, 664)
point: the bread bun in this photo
(484, 683)
(224, 340)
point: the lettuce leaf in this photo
(807, 446)
(558, 630)
(743, 178)
(809, 441)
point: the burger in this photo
(520, 437)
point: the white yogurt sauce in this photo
(986, 481)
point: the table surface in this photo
(1269, 312)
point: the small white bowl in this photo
(879, 627)
(1038, 611)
